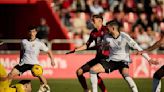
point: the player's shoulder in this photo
(24, 40)
(39, 41)
(104, 29)
(108, 37)
(124, 35)
(94, 30)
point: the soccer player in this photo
(22, 86)
(30, 49)
(95, 36)
(119, 57)
(160, 72)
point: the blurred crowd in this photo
(142, 19)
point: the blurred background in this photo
(66, 24)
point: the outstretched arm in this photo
(83, 47)
(135, 46)
(156, 45)
(49, 52)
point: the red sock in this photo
(101, 85)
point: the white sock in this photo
(131, 84)
(94, 81)
(156, 85)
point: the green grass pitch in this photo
(113, 85)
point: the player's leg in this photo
(42, 79)
(125, 73)
(18, 70)
(14, 72)
(101, 67)
(93, 75)
(80, 76)
(3, 73)
(156, 79)
(101, 84)
(37, 71)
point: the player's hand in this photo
(153, 61)
(52, 62)
(70, 52)
(141, 52)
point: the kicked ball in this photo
(37, 70)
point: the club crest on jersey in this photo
(33, 45)
(119, 43)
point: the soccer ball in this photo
(37, 70)
(44, 88)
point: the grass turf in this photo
(113, 85)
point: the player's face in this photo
(97, 22)
(110, 28)
(32, 33)
(28, 87)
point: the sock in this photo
(156, 85)
(94, 82)
(132, 84)
(82, 81)
(101, 84)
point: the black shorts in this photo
(23, 68)
(86, 67)
(113, 65)
(159, 73)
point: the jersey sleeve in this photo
(90, 40)
(135, 46)
(43, 47)
(22, 43)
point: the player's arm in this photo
(83, 47)
(21, 51)
(44, 48)
(135, 46)
(156, 45)
(49, 52)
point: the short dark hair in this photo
(112, 23)
(97, 16)
(25, 81)
(31, 28)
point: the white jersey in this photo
(119, 47)
(31, 50)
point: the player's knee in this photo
(92, 70)
(157, 75)
(125, 75)
(13, 73)
(79, 72)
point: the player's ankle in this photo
(87, 90)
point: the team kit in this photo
(106, 38)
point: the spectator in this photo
(78, 5)
(132, 15)
(78, 40)
(78, 24)
(95, 8)
(43, 29)
(143, 39)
